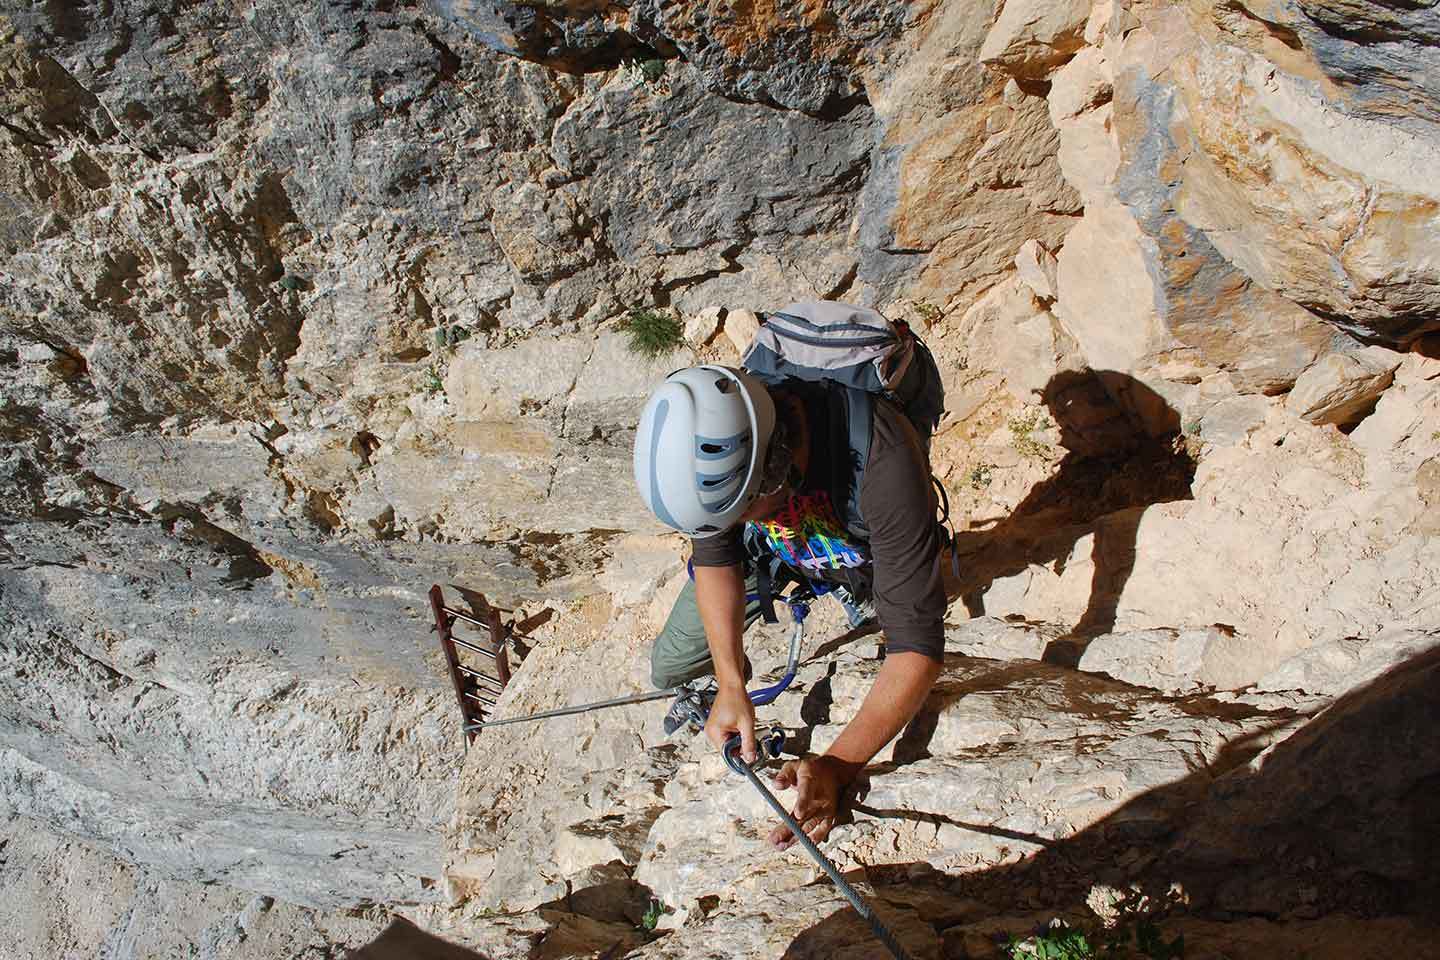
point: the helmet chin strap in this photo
(779, 464)
(788, 442)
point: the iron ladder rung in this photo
(478, 675)
(461, 615)
(473, 648)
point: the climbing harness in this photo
(771, 745)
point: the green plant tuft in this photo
(434, 383)
(652, 332)
(1021, 429)
(448, 335)
(1135, 938)
(980, 475)
(652, 916)
(928, 312)
(1056, 942)
(647, 75)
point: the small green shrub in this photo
(1134, 939)
(980, 476)
(434, 383)
(646, 75)
(448, 335)
(1056, 942)
(652, 916)
(1021, 429)
(652, 332)
(928, 312)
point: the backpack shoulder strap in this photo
(853, 430)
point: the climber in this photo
(819, 480)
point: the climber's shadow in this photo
(1124, 453)
(1338, 822)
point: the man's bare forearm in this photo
(901, 687)
(720, 595)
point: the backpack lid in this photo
(828, 341)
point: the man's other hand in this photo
(731, 713)
(819, 781)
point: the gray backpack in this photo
(865, 355)
(854, 347)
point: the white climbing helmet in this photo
(700, 448)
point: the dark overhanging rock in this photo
(577, 38)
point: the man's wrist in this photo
(729, 681)
(845, 771)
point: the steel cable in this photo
(882, 933)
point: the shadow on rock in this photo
(1322, 845)
(844, 936)
(402, 940)
(1124, 454)
(914, 742)
(605, 919)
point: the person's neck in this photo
(798, 424)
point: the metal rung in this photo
(470, 646)
(475, 690)
(460, 615)
(481, 676)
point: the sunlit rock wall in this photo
(306, 307)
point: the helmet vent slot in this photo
(706, 528)
(714, 447)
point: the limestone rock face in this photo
(1334, 211)
(1220, 555)
(1030, 38)
(772, 183)
(68, 898)
(307, 307)
(740, 329)
(1341, 388)
(1224, 216)
(985, 800)
(1036, 267)
(1366, 751)
(210, 739)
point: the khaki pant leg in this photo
(680, 652)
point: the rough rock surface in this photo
(1343, 388)
(1028, 39)
(66, 898)
(306, 307)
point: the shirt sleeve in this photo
(898, 504)
(721, 550)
